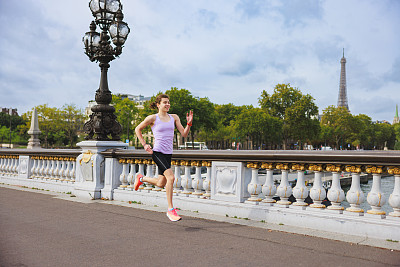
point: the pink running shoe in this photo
(137, 181)
(173, 216)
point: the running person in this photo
(163, 125)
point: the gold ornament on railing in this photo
(138, 161)
(121, 160)
(394, 170)
(316, 167)
(195, 163)
(299, 167)
(253, 165)
(354, 168)
(375, 169)
(283, 166)
(185, 162)
(206, 163)
(268, 165)
(334, 168)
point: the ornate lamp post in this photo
(108, 16)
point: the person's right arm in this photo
(138, 130)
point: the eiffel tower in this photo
(342, 99)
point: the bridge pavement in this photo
(46, 230)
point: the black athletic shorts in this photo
(163, 161)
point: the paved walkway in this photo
(44, 230)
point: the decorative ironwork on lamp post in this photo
(108, 16)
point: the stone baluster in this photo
(12, 166)
(56, 168)
(43, 162)
(123, 178)
(284, 190)
(394, 198)
(254, 188)
(355, 195)
(149, 173)
(197, 183)
(52, 168)
(5, 165)
(207, 181)
(132, 174)
(177, 174)
(375, 197)
(16, 166)
(48, 168)
(2, 158)
(40, 167)
(60, 169)
(33, 169)
(67, 171)
(1, 164)
(63, 170)
(269, 189)
(73, 169)
(186, 179)
(335, 193)
(300, 191)
(9, 166)
(317, 192)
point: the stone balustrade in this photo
(223, 182)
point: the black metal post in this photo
(109, 16)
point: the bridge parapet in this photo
(243, 184)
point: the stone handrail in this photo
(347, 157)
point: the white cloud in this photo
(228, 51)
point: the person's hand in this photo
(189, 118)
(147, 147)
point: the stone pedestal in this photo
(91, 179)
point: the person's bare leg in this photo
(169, 187)
(160, 181)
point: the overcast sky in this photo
(226, 50)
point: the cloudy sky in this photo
(226, 50)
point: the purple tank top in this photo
(163, 135)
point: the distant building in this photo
(138, 99)
(396, 116)
(7, 110)
(384, 121)
(342, 98)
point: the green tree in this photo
(383, 135)
(127, 115)
(360, 131)
(337, 122)
(298, 113)
(259, 126)
(72, 122)
(59, 127)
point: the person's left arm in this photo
(189, 118)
